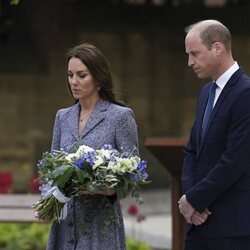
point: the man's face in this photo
(200, 58)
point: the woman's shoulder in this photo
(65, 111)
(117, 110)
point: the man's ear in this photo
(218, 48)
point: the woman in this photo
(96, 119)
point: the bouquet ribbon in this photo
(60, 197)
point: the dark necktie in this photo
(209, 107)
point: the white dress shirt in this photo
(223, 79)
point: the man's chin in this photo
(201, 76)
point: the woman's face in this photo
(81, 81)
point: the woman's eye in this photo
(82, 76)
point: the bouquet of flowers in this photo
(68, 174)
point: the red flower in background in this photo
(141, 218)
(6, 182)
(33, 184)
(133, 210)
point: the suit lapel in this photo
(96, 116)
(222, 98)
(200, 112)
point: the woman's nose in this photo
(74, 80)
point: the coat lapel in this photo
(96, 117)
(72, 120)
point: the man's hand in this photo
(186, 209)
(199, 218)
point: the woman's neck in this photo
(89, 104)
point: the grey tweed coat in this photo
(107, 124)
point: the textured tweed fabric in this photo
(83, 227)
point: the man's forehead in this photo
(194, 45)
(193, 34)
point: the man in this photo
(216, 170)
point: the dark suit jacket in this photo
(216, 171)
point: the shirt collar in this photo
(223, 79)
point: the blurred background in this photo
(143, 41)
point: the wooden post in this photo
(169, 151)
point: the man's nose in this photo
(190, 61)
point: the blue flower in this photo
(142, 166)
(79, 162)
(90, 157)
(132, 177)
(112, 158)
(144, 175)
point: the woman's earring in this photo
(98, 88)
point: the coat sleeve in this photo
(189, 161)
(56, 137)
(190, 150)
(234, 161)
(126, 132)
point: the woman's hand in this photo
(108, 192)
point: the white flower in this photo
(82, 150)
(123, 165)
(99, 161)
(70, 157)
(104, 153)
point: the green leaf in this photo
(121, 191)
(80, 175)
(143, 182)
(90, 187)
(60, 170)
(87, 171)
(62, 175)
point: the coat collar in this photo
(96, 116)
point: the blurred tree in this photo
(14, 2)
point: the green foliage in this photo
(133, 244)
(34, 236)
(23, 236)
(14, 2)
(61, 175)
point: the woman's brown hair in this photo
(98, 66)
